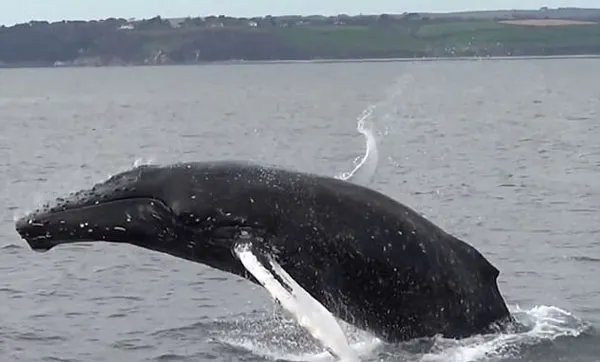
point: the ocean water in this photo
(504, 154)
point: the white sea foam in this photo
(143, 162)
(541, 324)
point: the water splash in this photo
(365, 169)
(366, 166)
(363, 349)
(307, 311)
(138, 162)
(540, 324)
(281, 339)
(141, 162)
(35, 198)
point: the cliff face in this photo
(158, 41)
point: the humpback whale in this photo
(369, 259)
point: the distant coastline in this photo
(515, 34)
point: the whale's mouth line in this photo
(44, 243)
(91, 204)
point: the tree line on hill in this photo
(212, 38)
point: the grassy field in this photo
(518, 33)
(348, 40)
(473, 36)
(548, 22)
(448, 29)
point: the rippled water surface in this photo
(504, 154)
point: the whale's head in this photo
(173, 209)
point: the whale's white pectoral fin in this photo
(307, 311)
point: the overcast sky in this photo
(18, 11)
